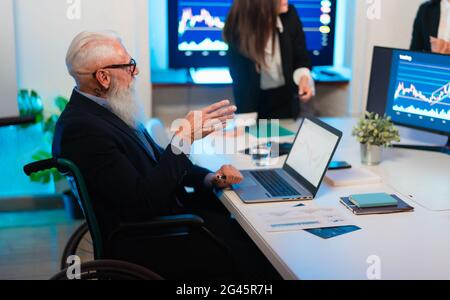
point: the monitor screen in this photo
(312, 152)
(413, 88)
(195, 31)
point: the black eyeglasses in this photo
(132, 65)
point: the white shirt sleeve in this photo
(299, 73)
(444, 24)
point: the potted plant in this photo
(375, 133)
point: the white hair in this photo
(87, 48)
(123, 102)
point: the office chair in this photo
(168, 242)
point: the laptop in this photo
(302, 173)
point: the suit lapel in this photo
(153, 144)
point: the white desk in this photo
(409, 245)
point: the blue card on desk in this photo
(328, 233)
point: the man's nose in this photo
(136, 72)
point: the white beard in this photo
(124, 104)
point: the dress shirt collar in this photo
(100, 101)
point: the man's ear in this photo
(104, 79)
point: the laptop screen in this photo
(312, 152)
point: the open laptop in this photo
(303, 171)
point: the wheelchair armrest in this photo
(41, 165)
(175, 222)
(167, 221)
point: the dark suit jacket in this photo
(426, 25)
(124, 182)
(294, 55)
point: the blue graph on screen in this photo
(200, 24)
(420, 89)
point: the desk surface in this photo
(410, 245)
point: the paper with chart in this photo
(300, 218)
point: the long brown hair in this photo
(249, 26)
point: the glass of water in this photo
(261, 154)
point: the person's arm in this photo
(196, 126)
(198, 177)
(112, 176)
(302, 64)
(418, 38)
(439, 46)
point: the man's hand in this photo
(227, 176)
(199, 124)
(305, 90)
(439, 46)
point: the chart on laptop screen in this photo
(311, 151)
(419, 90)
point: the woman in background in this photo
(432, 27)
(269, 61)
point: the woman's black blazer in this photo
(426, 25)
(294, 55)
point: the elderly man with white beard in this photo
(128, 176)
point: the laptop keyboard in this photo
(274, 183)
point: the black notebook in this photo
(401, 207)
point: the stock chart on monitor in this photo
(419, 90)
(199, 24)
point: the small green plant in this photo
(375, 130)
(30, 103)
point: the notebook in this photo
(373, 200)
(401, 207)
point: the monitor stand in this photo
(442, 149)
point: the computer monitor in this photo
(413, 88)
(195, 31)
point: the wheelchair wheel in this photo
(109, 270)
(79, 244)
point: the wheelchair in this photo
(166, 235)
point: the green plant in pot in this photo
(375, 133)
